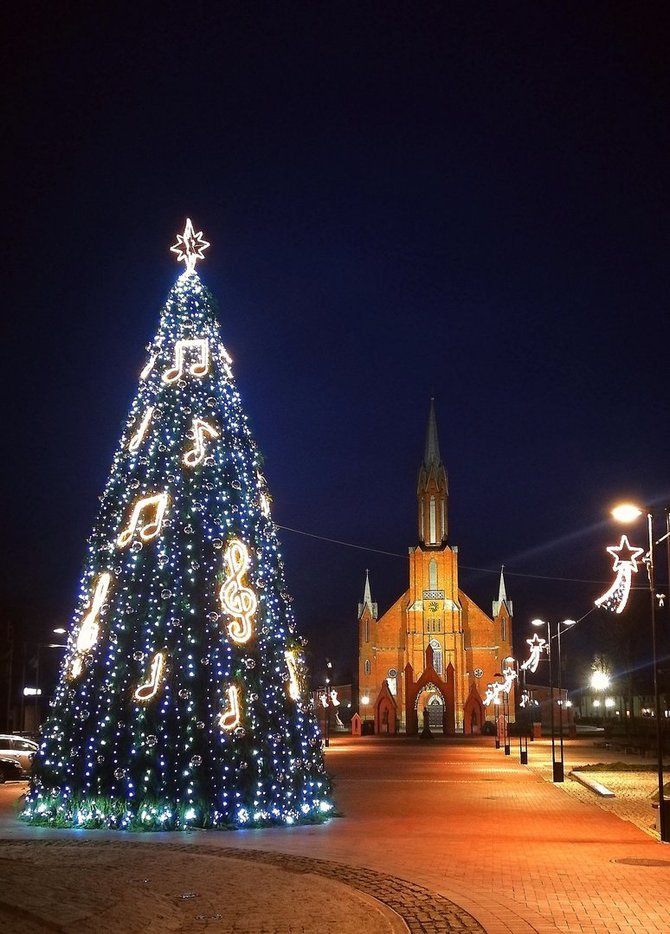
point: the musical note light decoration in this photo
(626, 558)
(89, 628)
(195, 582)
(230, 717)
(198, 350)
(238, 600)
(138, 436)
(154, 507)
(199, 429)
(146, 691)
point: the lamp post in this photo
(506, 707)
(558, 771)
(629, 512)
(496, 706)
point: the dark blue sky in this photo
(403, 199)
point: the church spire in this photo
(432, 490)
(367, 599)
(431, 455)
(502, 595)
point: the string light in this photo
(293, 681)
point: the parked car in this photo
(19, 750)
(10, 771)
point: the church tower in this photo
(433, 652)
(432, 489)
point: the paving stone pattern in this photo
(423, 911)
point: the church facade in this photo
(434, 650)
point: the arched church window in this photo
(367, 666)
(437, 655)
(432, 574)
(432, 521)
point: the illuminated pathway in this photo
(476, 841)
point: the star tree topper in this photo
(625, 563)
(190, 246)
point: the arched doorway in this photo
(429, 700)
(418, 696)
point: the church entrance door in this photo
(435, 708)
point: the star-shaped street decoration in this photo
(625, 555)
(625, 564)
(190, 246)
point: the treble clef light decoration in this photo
(237, 600)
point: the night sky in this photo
(464, 200)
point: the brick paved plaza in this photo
(445, 835)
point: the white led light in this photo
(190, 246)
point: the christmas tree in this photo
(182, 698)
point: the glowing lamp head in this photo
(600, 681)
(626, 512)
(569, 622)
(537, 622)
(365, 699)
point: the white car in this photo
(19, 749)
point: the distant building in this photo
(434, 649)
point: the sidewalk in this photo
(449, 835)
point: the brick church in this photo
(434, 649)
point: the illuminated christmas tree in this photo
(182, 699)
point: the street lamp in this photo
(629, 512)
(558, 772)
(600, 681)
(506, 708)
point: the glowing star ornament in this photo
(293, 679)
(510, 676)
(146, 691)
(537, 645)
(492, 695)
(625, 563)
(153, 507)
(142, 429)
(237, 600)
(230, 718)
(198, 350)
(200, 429)
(190, 246)
(525, 699)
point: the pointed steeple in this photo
(502, 595)
(432, 490)
(431, 457)
(367, 599)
